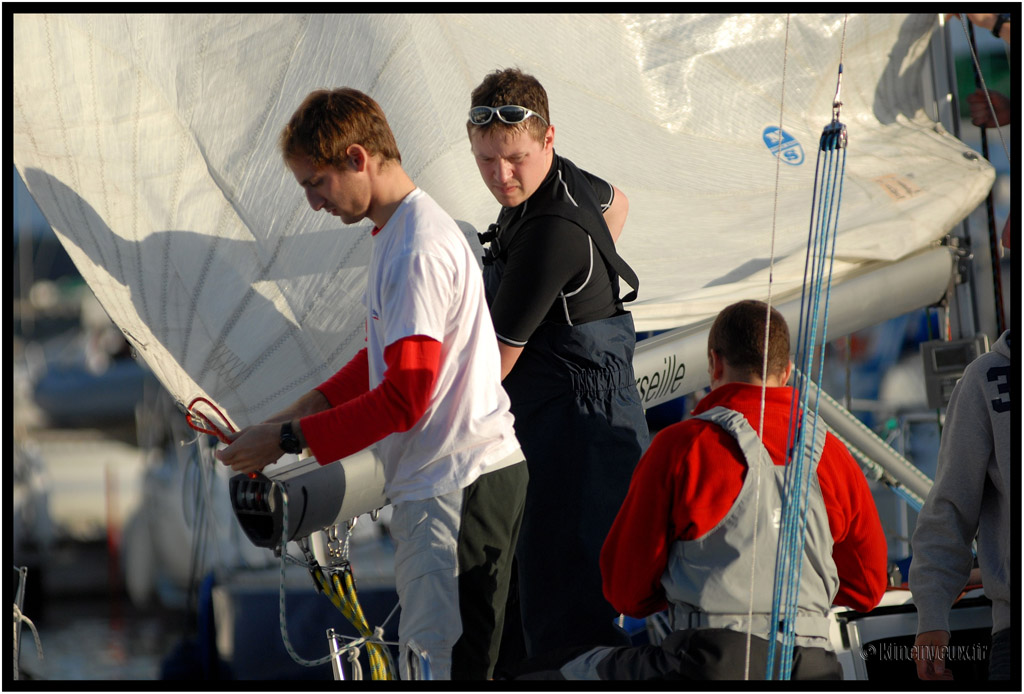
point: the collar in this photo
(512, 212)
(410, 196)
(739, 396)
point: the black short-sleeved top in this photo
(553, 271)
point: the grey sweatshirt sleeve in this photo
(948, 522)
(968, 478)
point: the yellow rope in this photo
(343, 596)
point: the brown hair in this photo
(738, 336)
(512, 86)
(329, 121)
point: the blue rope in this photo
(825, 204)
(784, 550)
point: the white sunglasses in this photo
(481, 115)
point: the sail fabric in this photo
(150, 144)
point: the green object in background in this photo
(994, 69)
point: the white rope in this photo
(354, 642)
(20, 617)
(764, 363)
(386, 620)
(281, 602)
(792, 536)
(353, 659)
(767, 334)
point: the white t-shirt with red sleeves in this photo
(423, 280)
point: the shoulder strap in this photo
(737, 425)
(587, 217)
(597, 228)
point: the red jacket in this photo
(689, 478)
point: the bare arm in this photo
(615, 215)
(988, 22)
(255, 447)
(982, 115)
(509, 356)
(310, 403)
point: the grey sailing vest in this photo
(708, 580)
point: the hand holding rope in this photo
(202, 423)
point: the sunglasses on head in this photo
(481, 115)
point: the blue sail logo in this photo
(782, 144)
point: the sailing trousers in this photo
(691, 654)
(581, 426)
(453, 556)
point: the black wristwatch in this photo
(289, 441)
(1001, 19)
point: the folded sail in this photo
(149, 142)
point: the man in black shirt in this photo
(552, 278)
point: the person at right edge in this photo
(971, 498)
(551, 274)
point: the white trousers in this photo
(426, 534)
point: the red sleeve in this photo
(635, 552)
(395, 405)
(859, 551)
(351, 381)
(682, 487)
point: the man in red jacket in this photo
(699, 528)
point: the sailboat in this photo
(149, 142)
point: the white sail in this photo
(149, 142)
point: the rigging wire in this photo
(980, 79)
(764, 362)
(198, 478)
(932, 336)
(993, 236)
(825, 205)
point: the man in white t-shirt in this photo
(425, 390)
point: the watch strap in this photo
(289, 442)
(1001, 19)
